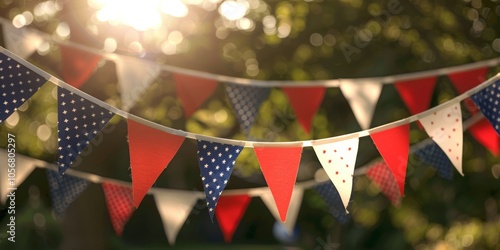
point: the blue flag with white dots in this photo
(246, 101)
(216, 162)
(17, 85)
(332, 199)
(433, 155)
(488, 101)
(79, 122)
(64, 190)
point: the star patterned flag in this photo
(64, 190)
(333, 201)
(216, 162)
(79, 122)
(434, 156)
(488, 101)
(246, 101)
(17, 84)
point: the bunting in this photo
(433, 155)
(293, 209)
(120, 205)
(79, 122)
(338, 159)
(445, 128)
(64, 190)
(279, 167)
(21, 42)
(174, 207)
(305, 102)
(333, 201)
(151, 151)
(216, 162)
(383, 178)
(246, 101)
(24, 167)
(393, 145)
(487, 100)
(230, 211)
(77, 65)
(17, 84)
(363, 98)
(416, 93)
(465, 80)
(193, 91)
(485, 134)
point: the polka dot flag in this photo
(246, 101)
(433, 155)
(64, 190)
(216, 162)
(120, 204)
(79, 122)
(333, 201)
(488, 101)
(17, 84)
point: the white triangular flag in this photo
(338, 159)
(20, 41)
(174, 207)
(363, 97)
(23, 168)
(293, 209)
(445, 128)
(134, 77)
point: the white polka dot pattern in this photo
(488, 101)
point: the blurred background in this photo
(268, 40)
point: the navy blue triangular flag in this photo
(17, 84)
(216, 162)
(433, 155)
(246, 101)
(79, 122)
(332, 199)
(488, 101)
(64, 190)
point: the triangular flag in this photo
(305, 102)
(216, 162)
(120, 204)
(279, 166)
(382, 176)
(486, 135)
(293, 209)
(77, 65)
(64, 190)
(363, 97)
(17, 84)
(79, 122)
(151, 151)
(466, 80)
(487, 100)
(21, 42)
(333, 201)
(445, 128)
(393, 145)
(246, 101)
(416, 93)
(23, 166)
(134, 77)
(193, 91)
(433, 155)
(174, 207)
(338, 159)
(230, 211)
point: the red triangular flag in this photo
(382, 176)
(77, 65)
(193, 91)
(305, 102)
(485, 134)
(230, 210)
(466, 80)
(416, 93)
(120, 204)
(150, 152)
(279, 167)
(393, 144)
